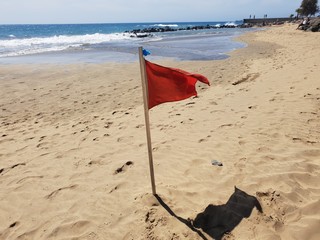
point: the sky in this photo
(125, 11)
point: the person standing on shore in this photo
(304, 23)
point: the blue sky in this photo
(115, 11)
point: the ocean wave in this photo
(62, 39)
(32, 51)
(231, 24)
(166, 25)
(16, 47)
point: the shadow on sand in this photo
(187, 222)
(216, 220)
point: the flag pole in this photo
(146, 115)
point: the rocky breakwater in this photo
(314, 25)
(147, 32)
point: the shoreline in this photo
(181, 45)
(74, 158)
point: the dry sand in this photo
(73, 154)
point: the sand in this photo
(73, 153)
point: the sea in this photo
(114, 42)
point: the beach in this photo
(74, 161)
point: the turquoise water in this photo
(113, 42)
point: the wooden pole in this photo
(146, 115)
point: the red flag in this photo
(170, 84)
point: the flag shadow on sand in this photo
(217, 220)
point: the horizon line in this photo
(120, 22)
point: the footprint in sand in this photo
(95, 162)
(226, 125)
(249, 77)
(26, 178)
(204, 139)
(124, 167)
(190, 103)
(252, 107)
(118, 187)
(13, 166)
(54, 193)
(14, 224)
(113, 189)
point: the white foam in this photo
(32, 51)
(62, 39)
(231, 24)
(16, 47)
(154, 39)
(166, 25)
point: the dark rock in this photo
(146, 32)
(314, 25)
